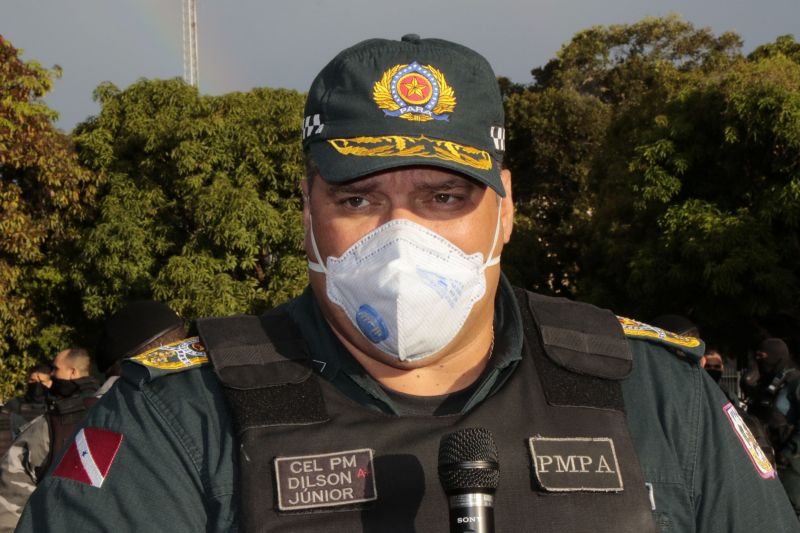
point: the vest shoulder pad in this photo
(169, 359)
(580, 337)
(689, 348)
(250, 352)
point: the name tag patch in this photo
(576, 464)
(325, 480)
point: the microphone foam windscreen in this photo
(468, 460)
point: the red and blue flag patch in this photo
(89, 457)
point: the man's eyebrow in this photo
(444, 185)
(359, 187)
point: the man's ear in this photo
(507, 206)
(306, 187)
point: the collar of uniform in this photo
(325, 348)
(333, 362)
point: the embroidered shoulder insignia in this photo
(749, 443)
(177, 356)
(687, 345)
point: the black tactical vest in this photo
(63, 417)
(313, 460)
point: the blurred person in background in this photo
(136, 328)
(714, 364)
(678, 324)
(30, 455)
(33, 403)
(774, 397)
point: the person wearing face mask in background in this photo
(23, 409)
(71, 375)
(137, 328)
(325, 413)
(714, 365)
(29, 456)
(39, 383)
(775, 399)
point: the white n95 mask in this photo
(407, 289)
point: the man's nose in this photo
(401, 210)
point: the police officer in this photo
(29, 456)
(325, 413)
(137, 327)
(776, 402)
(33, 403)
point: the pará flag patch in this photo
(89, 457)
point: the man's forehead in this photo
(410, 177)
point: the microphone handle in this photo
(471, 513)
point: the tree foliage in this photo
(44, 196)
(676, 167)
(192, 200)
(201, 206)
(655, 167)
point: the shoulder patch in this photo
(688, 345)
(176, 356)
(749, 443)
(90, 456)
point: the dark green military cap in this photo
(383, 104)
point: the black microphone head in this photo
(468, 461)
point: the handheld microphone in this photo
(469, 472)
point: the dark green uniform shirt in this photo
(176, 467)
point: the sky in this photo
(253, 43)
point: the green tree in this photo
(44, 197)
(656, 170)
(553, 136)
(201, 207)
(573, 131)
(784, 45)
(726, 192)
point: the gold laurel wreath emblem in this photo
(382, 94)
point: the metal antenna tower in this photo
(191, 73)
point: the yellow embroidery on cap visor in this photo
(399, 146)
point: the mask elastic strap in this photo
(318, 266)
(491, 261)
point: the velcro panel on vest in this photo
(564, 386)
(265, 371)
(244, 357)
(581, 337)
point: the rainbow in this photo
(163, 20)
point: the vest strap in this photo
(574, 364)
(265, 370)
(62, 420)
(580, 337)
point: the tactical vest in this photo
(63, 417)
(313, 460)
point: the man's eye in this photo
(355, 201)
(444, 198)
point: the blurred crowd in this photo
(765, 392)
(39, 424)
